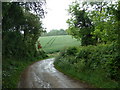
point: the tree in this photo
(100, 20)
(80, 25)
(104, 21)
(117, 17)
(19, 24)
(55, 32)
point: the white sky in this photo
(56, 14)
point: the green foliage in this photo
(55, 32)
(104, 22)
(12, 15)
(97, 61)
(80, 25)
(117, 17)
(98, 65)
(71, 51)
(12, 70)
(21, 29)
(11, 46)
(97, 25)
(94, 79)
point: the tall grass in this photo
(12, 69)
(95, 65)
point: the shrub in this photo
(93, 58)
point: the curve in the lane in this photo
(42, 74)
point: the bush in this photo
(103, 58)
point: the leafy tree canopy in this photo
(94, 25)
(21, 22)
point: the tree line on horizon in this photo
(55, 32)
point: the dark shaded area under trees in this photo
(21, 28)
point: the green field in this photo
(51, 44)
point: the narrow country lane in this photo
(42, 74)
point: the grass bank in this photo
(12, 69)
(95, 65)
(90, 78)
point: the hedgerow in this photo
(91, 59)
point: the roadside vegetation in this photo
(12, 70)
(20, 31)
(95, 65)
(20, 39)
(97, 60)
(89, 51)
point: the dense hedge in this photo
(91, 58)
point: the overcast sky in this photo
(56, 14)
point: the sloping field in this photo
(52, 44)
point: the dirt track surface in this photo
(42, 74)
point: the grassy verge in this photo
(71, 75)
(91, 79)
(95, 65)
(11, 71)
